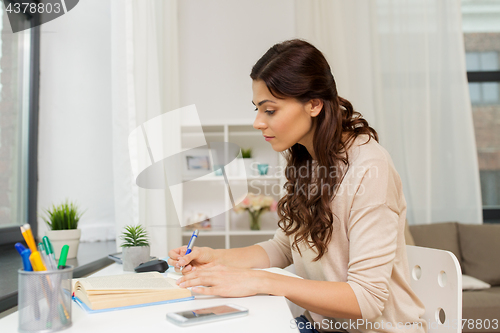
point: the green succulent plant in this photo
(63, 217)
(134, 235)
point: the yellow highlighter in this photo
(36, 261)
(28, 237)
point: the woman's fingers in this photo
(205, 290)
(208, 266)
(175, 254)
(198, 258)
(187, 269)
(194, 279)
(185, 259)
(177, 269)
(221, 280)
(178, 252)
(207, 275)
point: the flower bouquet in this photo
(256, 205)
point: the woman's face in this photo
(287, 121)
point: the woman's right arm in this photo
(245, 257)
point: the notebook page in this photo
(139, 281)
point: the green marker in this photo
(62, 258)
(48, 245)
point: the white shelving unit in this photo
(231, 229)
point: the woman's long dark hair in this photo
(296, 69)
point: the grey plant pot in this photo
(133, 256)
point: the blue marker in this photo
(26, 260)
(25, 255)
(191, 244)
(20, 248)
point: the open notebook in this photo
(116, 292)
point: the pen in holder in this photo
(44, 300)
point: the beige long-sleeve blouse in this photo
(367, 249)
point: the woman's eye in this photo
(269, 112)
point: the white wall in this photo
(220, 41)
(75, 116)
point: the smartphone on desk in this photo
(206, 315)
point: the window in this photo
(481, 25)
(483, 93)
(18, 125)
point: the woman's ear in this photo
(316, 107)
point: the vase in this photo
(133, 256)
(262, 167)
(59, 238)
(254, 221)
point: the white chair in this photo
(436, 278)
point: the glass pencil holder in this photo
(44, 300)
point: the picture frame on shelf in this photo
(197, 163)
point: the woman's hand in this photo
(224, 281)
(198, 258)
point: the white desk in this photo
(266, 314)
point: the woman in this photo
(341, 222)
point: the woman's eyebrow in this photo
(264, 101)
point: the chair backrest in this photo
(436, 278)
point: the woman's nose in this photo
(258, 123)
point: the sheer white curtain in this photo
(145, 84)
(402, 65)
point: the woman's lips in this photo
(268, 137)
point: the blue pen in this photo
(191, 241)
(191, 244)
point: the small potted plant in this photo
(63, 223)
(246, 153)
(135, 246)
